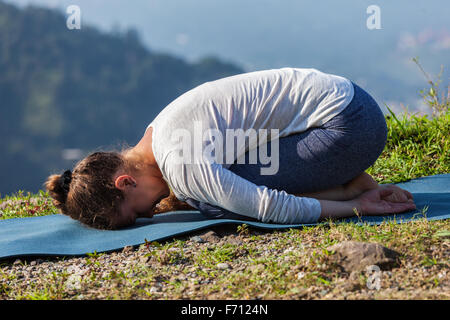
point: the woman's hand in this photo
(384, 200)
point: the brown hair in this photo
(88, 194)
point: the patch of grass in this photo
(22, 205)
(417, 146)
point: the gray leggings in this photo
(319, 158)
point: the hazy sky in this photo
(258, 34)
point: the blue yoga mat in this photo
(59, 235)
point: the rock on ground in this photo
(356, 256)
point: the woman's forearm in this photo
(338, 193)
(338, 209)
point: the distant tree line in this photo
(62, 89)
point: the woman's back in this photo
(288, 100)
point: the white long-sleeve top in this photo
(290, 100)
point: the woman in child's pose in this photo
(323, 131)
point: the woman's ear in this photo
(124, 181)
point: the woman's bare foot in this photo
(398, 194)
(360, 184)
(354, 188)
(347, 191)
(365, 182)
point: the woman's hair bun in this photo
(58, 187)
(65, 180)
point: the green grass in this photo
(417, 146)
(25, 204)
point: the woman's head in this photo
(88, 194)
(107, 190)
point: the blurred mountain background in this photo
(64, 93)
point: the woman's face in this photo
(142, 194)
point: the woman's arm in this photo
(337, 209)
(213, 184)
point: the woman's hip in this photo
(361, 123)
(325, 156)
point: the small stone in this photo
(352, 255)
(223, 266)
(144, 259)
(301, 275)
(17, 262)
(73, 269)
(352, 284)
(33, 263)
(323, 292)
(197, 239)
(288, 250)
(127, 249)
(210, 236)
(73, 282)
(155, 289)
(354, 276)
(235, 241)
